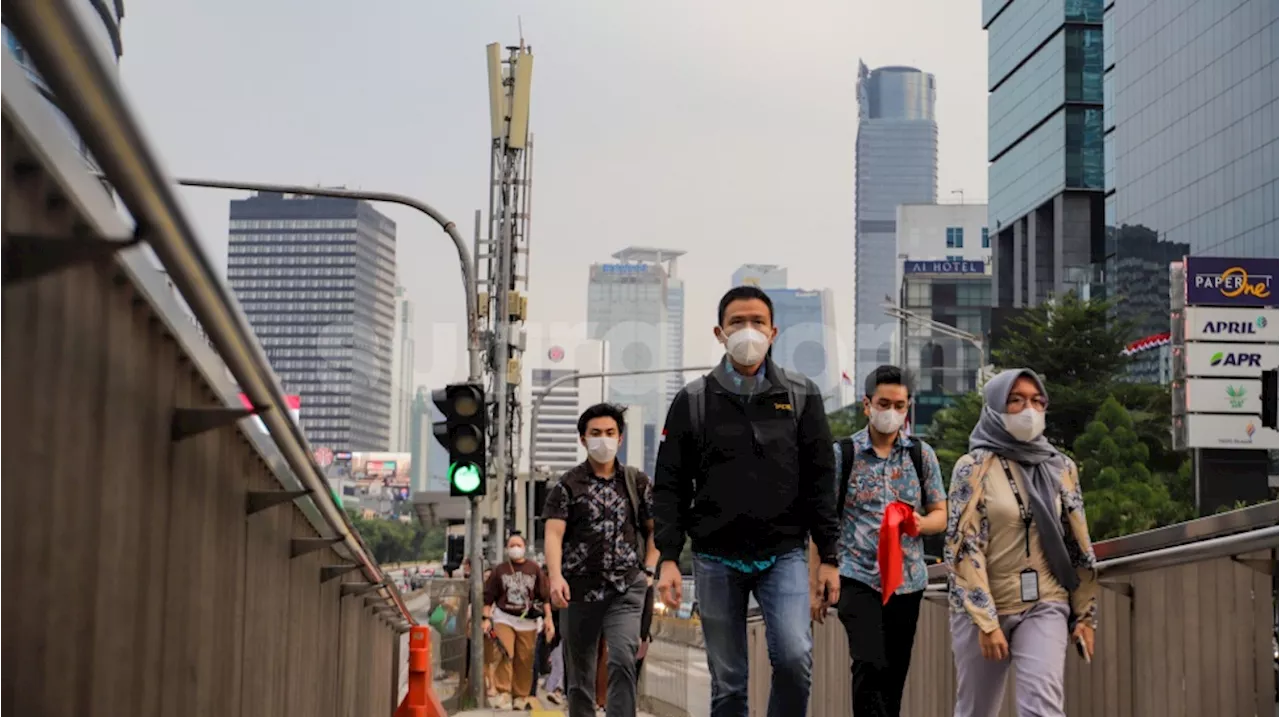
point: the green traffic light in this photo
(465, 477)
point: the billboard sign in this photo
(944, 267)
(390, 469)
(1212, 359)
(1228, 325)
(1217, 431)
(1223, 395)
(1217, 281)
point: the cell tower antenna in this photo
(520, 31)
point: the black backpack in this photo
(933, 544)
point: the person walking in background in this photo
(514, 595)
(890, 494)
(599, 547)
(1023, 581)
(745, 468)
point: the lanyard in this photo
(1022, 508)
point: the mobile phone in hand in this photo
(1081, 649)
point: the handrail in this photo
(1256, 525)
(63, 51)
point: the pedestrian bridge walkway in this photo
(164, 556)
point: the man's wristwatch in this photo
(650, 571)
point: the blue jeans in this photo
(783, 594)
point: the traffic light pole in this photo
(475, 369)
(474, 366)
(536, 404)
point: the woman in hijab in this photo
(1022, 580)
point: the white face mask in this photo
(515, 552)
(602, 449)
(888, 421)
(747, 346)
(1025, 426)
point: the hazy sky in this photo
(722, 127)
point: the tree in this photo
(393, 541)
(847, 421)
(949, 434)
(1075, 347)
(1122, 495)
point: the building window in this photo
(1085, 168)
(955, 258)
(955, 237)
(986, 239)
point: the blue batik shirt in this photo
(746, 386)
(874, 483)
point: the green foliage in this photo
(949, 434)
(847, 421)
(1076, 349)
(395, 542)
(1117, 431)
(1122, 495)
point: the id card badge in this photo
(1030, 581)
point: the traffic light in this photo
(462, 433)
(454, 552)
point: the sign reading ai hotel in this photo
(1226, 330)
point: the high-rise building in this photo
(764, 276)
(941, 239)
(316, 279)
(401, 372)
(551, 353)
(897, 163)
(103, 21)
(1044, 143)
(806, 322)
(1191, 153)
(675, 306)
(954, 293)
(627, 308)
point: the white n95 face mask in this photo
(602, 449)
(747, 346)
(1026, 425)
(888, 421)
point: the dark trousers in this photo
(880, 640)
(617, 620)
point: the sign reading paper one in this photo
(1215, 431)
(1226, 359)
(1216, 281)
(1223, 395)
(1231, 325)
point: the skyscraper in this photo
(1044, 142)
(316, 278)
(806, 322)
(897, 163)
(764, 276)
(627, 307)
(675, 306)
(402, 372)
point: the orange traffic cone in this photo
(421, 701)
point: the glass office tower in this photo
(1045, 145)
(897, 163)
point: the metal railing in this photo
(1186, 625)
(90, 96)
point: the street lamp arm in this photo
(464, 253)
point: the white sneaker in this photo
(501, 702)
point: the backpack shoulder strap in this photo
(696, 390)
(842, 478)
(917, 461)
(632, 477)
(797, 392)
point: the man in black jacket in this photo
(745, 469)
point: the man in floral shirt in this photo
(601, 558)
(881, 628)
